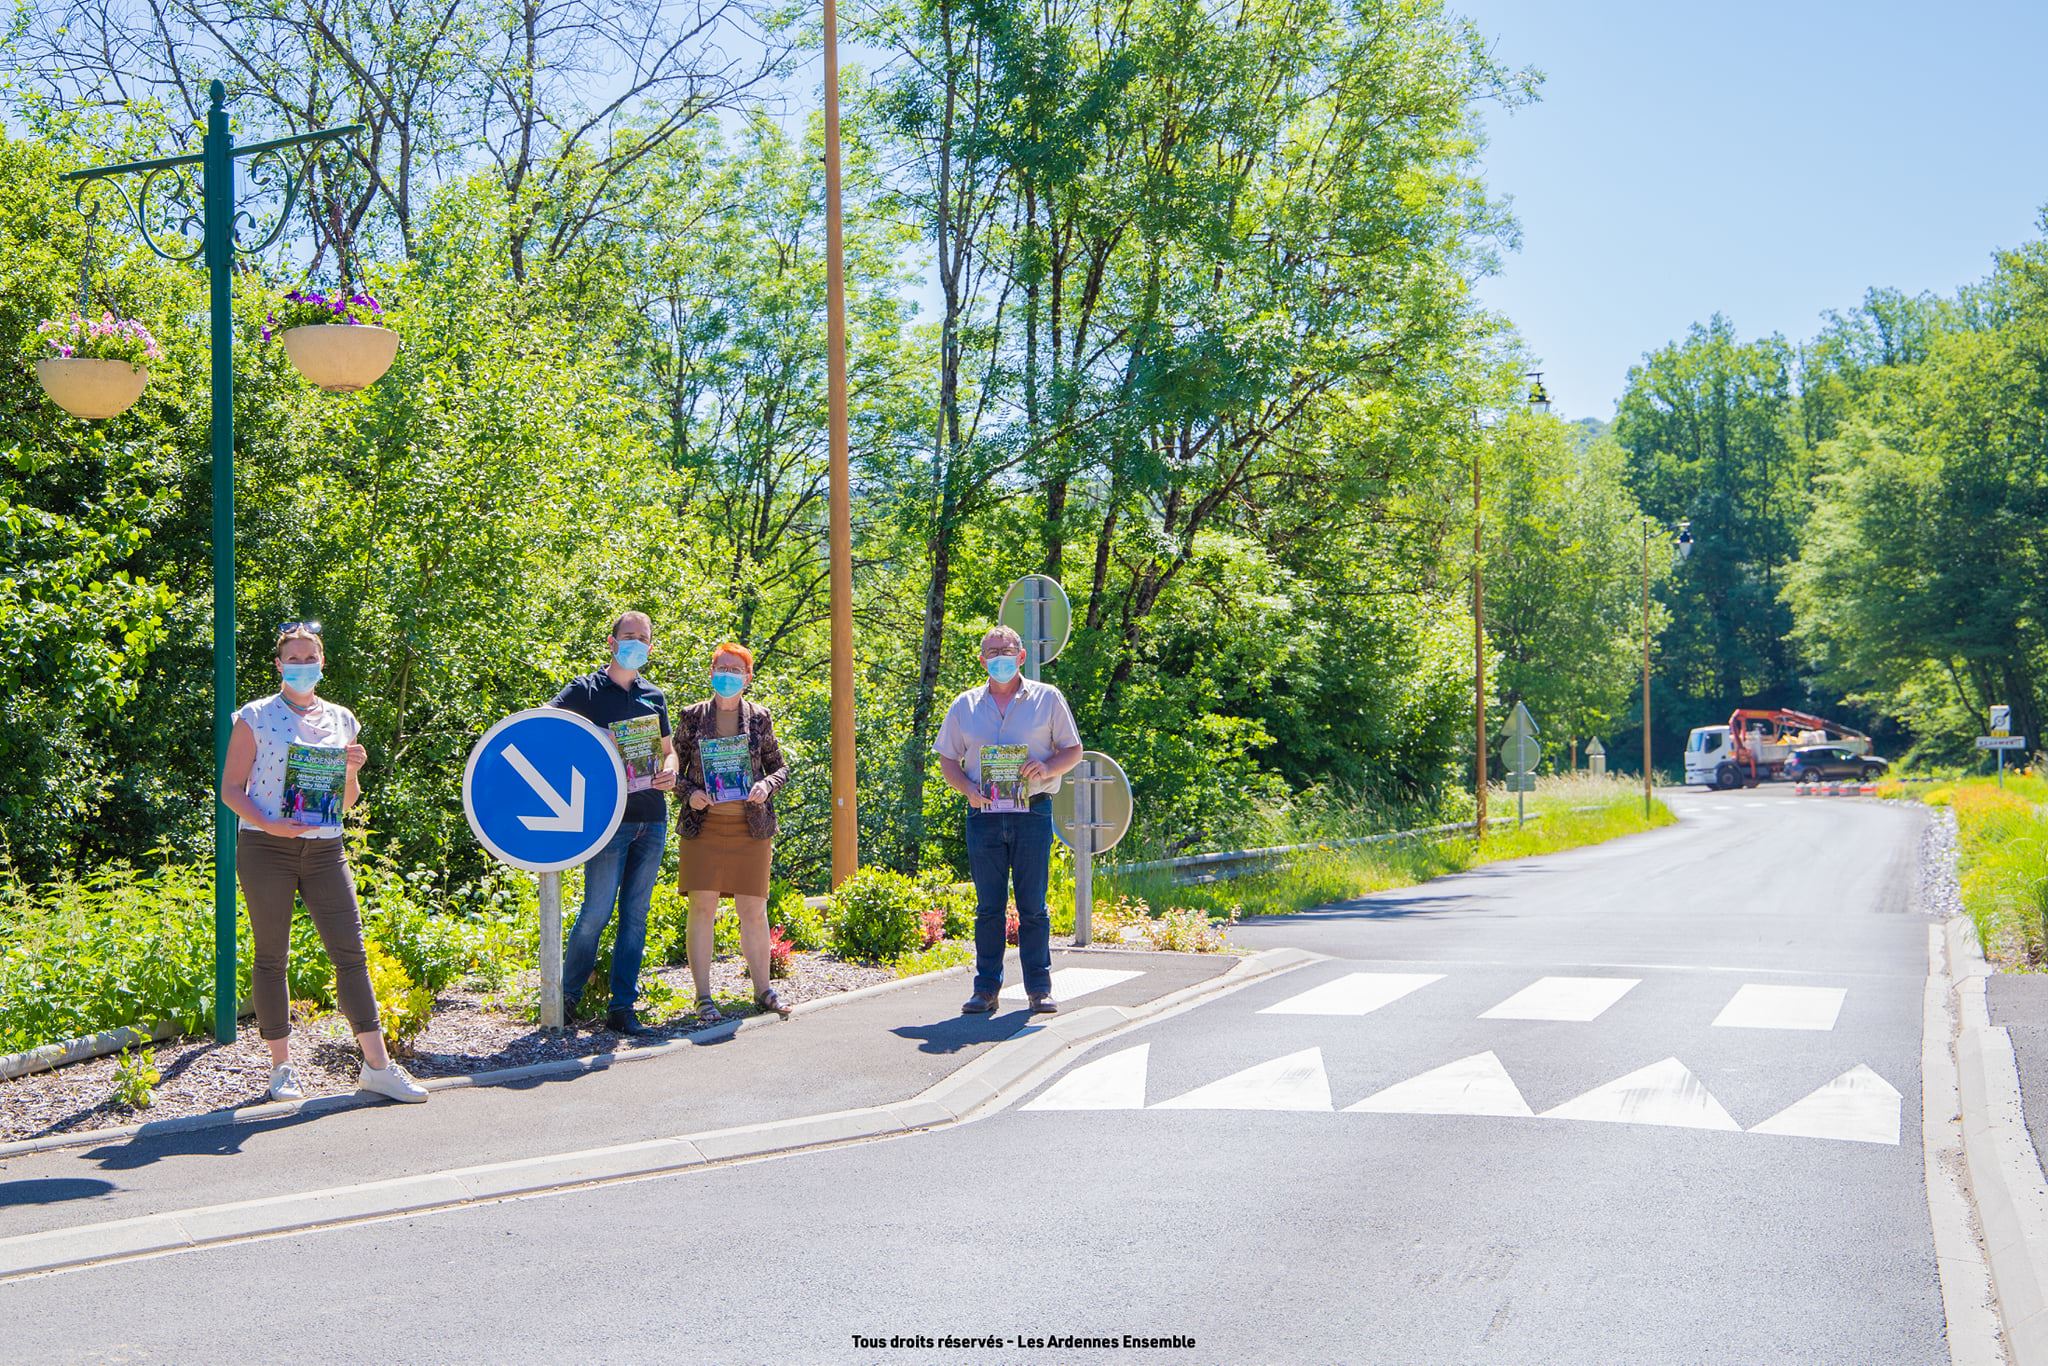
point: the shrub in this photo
(135, 1079)
(805, 925)
(875, 916)
(933, 918)
(953, 902)
(1185, 929)
(944, 954)
(780, 952)
(404, 1007)
(1010, 924)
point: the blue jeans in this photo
(622, 872)
(1005, 848)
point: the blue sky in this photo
(1766, 161)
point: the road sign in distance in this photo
(544, 789)
(1521, 753)
(2001, 720)
(1521, 782)
(1036, 608)
(2001, 742)
(1104, 778)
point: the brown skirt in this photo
(724, 858)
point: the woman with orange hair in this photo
(732, 769)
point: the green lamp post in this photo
(218, 218)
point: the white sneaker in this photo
(392, 1081)
(284, 1083)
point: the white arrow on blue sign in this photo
(544, 789)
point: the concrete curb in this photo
(2006, 1180)
(500, 1076)
(986, 1084)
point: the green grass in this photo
(2001, 861)
(1332, 874)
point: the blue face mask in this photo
(630, 654)
(300, 677)
(726, 683)
(1001, 668)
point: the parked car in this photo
(1831, 763)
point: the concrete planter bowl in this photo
(91, 388)
(341, 357)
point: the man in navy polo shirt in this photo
(622, 873)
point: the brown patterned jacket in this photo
(699, 721)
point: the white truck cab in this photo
(1706, 748)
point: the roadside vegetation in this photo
(2001, 860)
(1564, 813)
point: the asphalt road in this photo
(1666, 996)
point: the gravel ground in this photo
(470, 1032)
(1935, 891)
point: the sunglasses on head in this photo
(311, 628)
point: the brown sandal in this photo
(769, 999)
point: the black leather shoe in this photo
(625, 1022)
(979, 1004)
(1044, 1005)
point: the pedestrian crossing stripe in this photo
(1859, 1107)
(1773, 1007)
(1116, 1082)
(1070, 983)
(1575, 999)
(1295, 1082)
(1355, 993)
(1477, 1085)
(1663, 1093)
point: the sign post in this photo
(1596, 757)
(1037, 609)
(544, 790)
(2001, 727)
(2001, 743)
(1091, 812)
(1520, 752)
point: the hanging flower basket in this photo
(98, 370)
(334, 340)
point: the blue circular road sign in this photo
(544, 789)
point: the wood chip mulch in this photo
(471, 1031)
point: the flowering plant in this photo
(316, 308)
(780, 952)
(74, 337)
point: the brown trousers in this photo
(273, 870)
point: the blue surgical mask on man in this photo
(630, 654)
(300, 677)
(727, 683)
(1001, 668)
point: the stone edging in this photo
(2006, 1181)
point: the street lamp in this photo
(1539, 402)
(1680, 551)
(215, 213)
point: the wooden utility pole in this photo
(845, 811)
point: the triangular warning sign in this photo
(1477, 1085)
(1858, 1106)
(1116, 1082)
(1663, 1093)
(1295, 1082)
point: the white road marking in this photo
(1295, 1082)
(1663, 1093)
(1771, 1007)
(1859, 1106)
(1477, 1085)
(1070, 983)
(1577, 999)
(1357, 993)
(1116, 1082)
